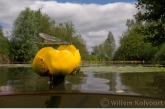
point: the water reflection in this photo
(145, 83)
(89, 82)
(23, 79)
(54, 101)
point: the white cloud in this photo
(9, 10)
(93, 21)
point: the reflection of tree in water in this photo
(158, 84)
(54, 101)
(109, 76)
(75, 82)
(3, 76)
(23, 79)
(145, 83)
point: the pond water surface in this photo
(24, 80)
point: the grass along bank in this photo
(122, 69)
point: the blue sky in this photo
(3, 24)
(102, 2)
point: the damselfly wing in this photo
(51, 39)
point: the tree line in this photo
(4, 47)
(143, 40)
(133, 45)
(105, 50)
(25, 35)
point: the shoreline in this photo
(112, 68)
(123, 69)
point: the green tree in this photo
(25, 32)
(130, 23)
(160, 54)
(98, 50)
(106, 48)
(67, 32)
(44, 23)
(4, 47)
(109, 45)
(152, 12)
(1, 31)
(30, 23)
(102, 51)
(133, 47)
(95, 50)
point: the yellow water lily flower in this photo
(64, 60)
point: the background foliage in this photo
(4, 47)
(142, 40)
(25, 35)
